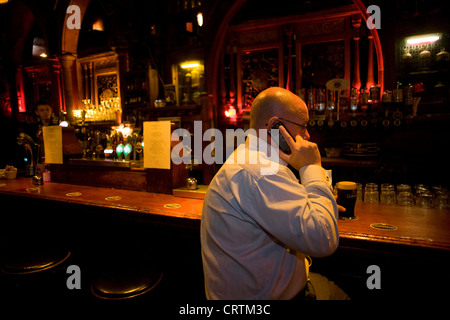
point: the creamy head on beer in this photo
(346, 185)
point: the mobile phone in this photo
(282, 144)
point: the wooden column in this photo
(370, 79)
(68, 62)
(86, 81)
(356, 23)
(233, 50)
(224, 93)
(33, 75)
(122, 57)
(289, 31)
(91, 73)
(57, 95)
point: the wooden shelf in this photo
(344, 162)
(193, 107)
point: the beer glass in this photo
(426, 199)
(359, 192)
(405, 198)
(388, 195)
(419, 190)
(346, 197)
(371, 193)
(441, 199)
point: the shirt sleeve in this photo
(303, 217)
(313, 173)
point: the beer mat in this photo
(73, 194)
(172, 206)
(113, 198)
(383, 226)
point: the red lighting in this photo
(189, 27)
(231, 113)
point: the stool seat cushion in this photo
(125, 282)
(23, 257)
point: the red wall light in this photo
(231, 113)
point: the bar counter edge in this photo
(186, 212)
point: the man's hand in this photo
(303, 152)
(340, 208)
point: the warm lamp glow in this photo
(77, 113)
(126, 131)
(231, 112)
(43, 55)
(422, 39)
(98, 25)
(200, 19)
(4, 1)
(190, 64)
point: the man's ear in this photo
(272, 121)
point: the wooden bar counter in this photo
(135, 203)
(412, 225)
(408, 244)
(375, 222)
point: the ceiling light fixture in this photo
(422, 39)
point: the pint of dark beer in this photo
(346, 197)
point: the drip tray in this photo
(184, 192)
(106, 163)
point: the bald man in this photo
(259, 229)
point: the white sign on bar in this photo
(53, 144)
(157, 144)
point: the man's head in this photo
(43, 111)
(275, 105)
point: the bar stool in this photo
(31, 264)
(124, 264)
(124, 282)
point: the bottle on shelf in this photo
(320, 105)
(330, 100)
(354, 100)
(397, 96)
(375, 98)
(364, 100)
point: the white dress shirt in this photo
(257, 228)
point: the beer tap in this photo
(33, 148)
(109, 151)
(127, 148)
(98, 148)
(119, 146)
(133, 145)
(114, 144)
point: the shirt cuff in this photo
(314, 173)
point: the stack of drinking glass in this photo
(403, 194)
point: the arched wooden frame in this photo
(69, 37)
(338, 29)
(215, 55)
(243, 49)
(72, 66)
(377, 44)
